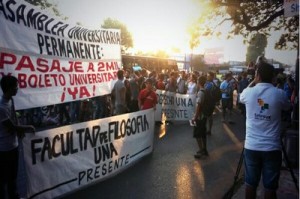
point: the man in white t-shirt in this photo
(262, 154)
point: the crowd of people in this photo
(135, 90)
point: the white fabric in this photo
(61, 160)
(55, 61)
(264, 104)
(192, 88)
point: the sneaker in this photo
(205, 153)
(201, 154)
(197, 156)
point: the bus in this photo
(149, 63)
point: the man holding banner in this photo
(9, 133)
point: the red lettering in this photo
(6, 58)
(110, 66)
(101, 66)
(73, 92)
(70, 69)
(84, 92)
(22, 80)
(32, 81)
(42, 65)
(3, 74)
(25, 62)
(78, 67)
(55, 66)
(91, 67)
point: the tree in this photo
(44, 4)
(250, 17)
(256, 47)
(194, 32)
(126, 37)
(198, 63)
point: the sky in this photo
(160, 24)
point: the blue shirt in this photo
(227, 87)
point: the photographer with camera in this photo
(262, 150)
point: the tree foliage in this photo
(44, 4)
(248, 18)
(126, 37)
(194, 32)
(256, 47)
(198, 63)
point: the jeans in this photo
(262, 163)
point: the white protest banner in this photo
(175, 106)
(55, 61)
(61, 160)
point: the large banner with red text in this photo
(55, 61)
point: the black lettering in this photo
(55, 154)
(87, 138)
(41, 43)
(46, 148)
(35, 150)
(80, 131)
(81, 176)
(20, 14)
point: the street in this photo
(171, 171)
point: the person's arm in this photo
(252, 84)
(20, 129)
(197, 114)
(155, 100)
(198, 109)
(140, 100)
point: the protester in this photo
(192, 85)
(242, 84)
(181, 83)
(200, 121)
(119, 94)
(227, 95)
(64, 116)
(160, 85)
(135, 89)
(262, 155)
(209, 86)
(10, 130)
(147, 97)
(172, 83)
(127, 93)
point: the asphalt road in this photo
(171, 171)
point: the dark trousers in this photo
(9, 161)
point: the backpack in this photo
(216, 93)
(208, 105)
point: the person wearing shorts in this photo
(227, 103)
(200, 121)
(262, 154)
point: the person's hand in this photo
(31, 129)
(21, 134)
